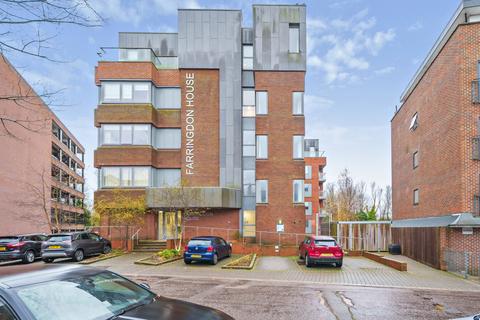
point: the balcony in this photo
(476, 91)
(322, 195)
(322, 176)
(137, 55)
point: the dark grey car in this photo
(76, 245)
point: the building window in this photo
(308, 190)
(416, 197)
(249, 137)
(247, 57)
(308, 226)
(262, 191)
(308, 172)
(414, 122)
(248, 102)
(298, 191)
(125, 92)
(249, 223)
(168, 177)
(116, 134)
(110, 177)
(168, 98)
(262, 102)
(249, 183)
(415, 159)
(249, 151)
(297, 147)
(308, 208)
(125, 177)
(168, 138)
(56, 130)
(297, 103)
(262, 147)
(294, 38)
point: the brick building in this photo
(216, 107)
(314, 194)
(435, 147)
(41, 171)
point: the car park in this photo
(51, 292)
(25, 247)
(76, 245)
(320, 250)
(206, 249)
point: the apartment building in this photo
(435, 149)
(41, 172)
(216, 107)
(314, 194)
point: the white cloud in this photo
(416, 26)
(343, 47)
(385, 70)
(315, 103)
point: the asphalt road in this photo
(245, 299)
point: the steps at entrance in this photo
(150, 246)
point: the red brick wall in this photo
(446, 116)
(280, 169)
(117, 113)
(136, 156)
(136, 71)
(207, 132)
(456, 241)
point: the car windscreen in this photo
(99, 296)
(59, 238)
(325, 243)
(199, 242)
(8, 239)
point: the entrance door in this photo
(167, 225)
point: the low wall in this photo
(398, 265)
(264, 250)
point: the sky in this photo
(361, 55)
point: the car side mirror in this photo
(145, 285)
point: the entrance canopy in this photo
(459, 220)
(194, 197)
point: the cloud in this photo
(416, 26)
(385, 70)
(313, 102)
(138, 11)
(343, 47)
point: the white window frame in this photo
(259, 97)
(258, 187)
(294, 38)
(298, 154)
(300, 188)
(295, 96)
(262, 147)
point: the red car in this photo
(320, 249)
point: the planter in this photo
(101, 257)
(244, 263)
(156, 260)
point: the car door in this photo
(226, 246)
(96, 243)
(37, 243)
(218, 247)
(85, 243)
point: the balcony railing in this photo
(476, 205)
(476, 91)
(322, 177)
(322, 195)
(476, 148)
(137, 55)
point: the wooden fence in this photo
(363, 235)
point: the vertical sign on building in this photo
(190, 123)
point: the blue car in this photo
(207, 249)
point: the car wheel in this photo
(107, 249)
(215, 259)
(28, 257)
(307, 261)
(187, 261)
(78, 255)
(300, 256)
(48, 260)
(339, 264)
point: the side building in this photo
(436, 149)
(315, 178)
(41, 171)
(217, 108)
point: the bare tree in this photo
(386, 208)
(27, 27)
(183, 199)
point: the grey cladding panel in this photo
(271, 37)
(164, 44)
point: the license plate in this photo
(54, 247)
(196, 256)
(3, 249)
(327, 254)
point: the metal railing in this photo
(463, 262)
(476, 148)
(322, 195)
(137, 55)
(476, 205)
(322, 176)
(135, 236)
(476, 91)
